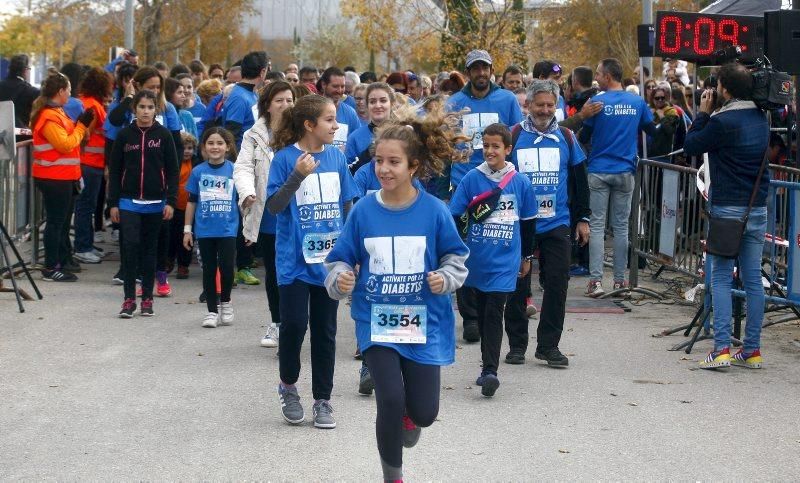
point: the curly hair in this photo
(96, 83)
(431, 141)
(291, 127)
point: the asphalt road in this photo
(88, 396)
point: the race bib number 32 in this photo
(399, 324)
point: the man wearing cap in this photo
(486, 103)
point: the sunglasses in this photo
(556, 68)
(659, 98)
(649, 88)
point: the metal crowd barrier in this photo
(20, 211)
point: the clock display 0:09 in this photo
(692, 36)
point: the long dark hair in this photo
(292, 125)
(225, 134)
(50, 87)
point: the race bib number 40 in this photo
(399, 324)
(317, 246)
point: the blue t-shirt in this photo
(197, 110)
(149, 208)
(561, 109)
(615, 131)
(109, 130)
(499, 105)
(367, 181)
(210, 113)
(395, 250)
(495, 245)
(239, 108)
(187, 122)
(308, 227)
(217, 211)
(170, 118)
(348, 122)
(546, 164)
(350, 101)
(357, 142)
(73, 108)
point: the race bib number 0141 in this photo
(399, 324)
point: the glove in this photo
(86, 117)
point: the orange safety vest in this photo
(93, 154)
(47, 162)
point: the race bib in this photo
(399, 324)
(474, 124)
(547, 206)
(317, 246)
(340, 136)
(506, 211)
(215, 188)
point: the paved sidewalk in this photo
(88, 396)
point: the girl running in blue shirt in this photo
(309, 189)
(213, 207)
(411, 258)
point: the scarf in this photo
(549, 133)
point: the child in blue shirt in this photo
(213, 207)
(309, 189)
(411, 258)
(499, 242)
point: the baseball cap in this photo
(478, 56)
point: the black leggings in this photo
(402, 387)
(217, 253)
(138, 251)
(58, 197)
(266, 245)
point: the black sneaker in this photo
(58, 276)
(202, 297)
(488, 382)
(365, 383)
(147, 308)
(554, 357)
(128, 308)
(471, 333)
(515, 356)
(71, 266)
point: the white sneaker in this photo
(270, 339)
(98, 237)
(225, 313)
(98, 253)
(87, 257)
(210, 320)
(115, 235)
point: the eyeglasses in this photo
(659, 98)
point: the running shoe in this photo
(139, 290)
(225, 313)
(752, 360)
(270, 339)
(621, 285)
(71, 266)
(411, 432)
(98, 252)
(115, 235)
(147, 308)
(594, 288)
(117, 279)
(291, 409)
(553, 357)
(162, 285)
(488, 382)
(128, 308)
(365, 383)
(183, 273)
(98, 237)
(323, 415)
(530, 309)
(471, 333)
(87, 257)
(578, 271)
(717, 359)
(210, 320)
(58, 276)
(246, 277)
(515, 356)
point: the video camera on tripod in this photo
(771, 89)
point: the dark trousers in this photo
(176, 250)
(100, 211)
(217, 253)
(402, 387)
(554, 254)
(580, 254)
(465, 300)
(516, 317)
(85, 206)
(266, 244)
(295, 301)
(162, 247)
(490, 324)
(58, 197)
(244, 253)
(139, 242)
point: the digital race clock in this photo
(695, 37)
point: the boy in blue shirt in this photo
(500, 239)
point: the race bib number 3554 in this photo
(399, 324)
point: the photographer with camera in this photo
(735, 135)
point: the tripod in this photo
(5, 239)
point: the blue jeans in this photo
(85, 207)
(619, 189)
(749, 272)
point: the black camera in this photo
(771, 89)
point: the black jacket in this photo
(144, 165)
(22, 94)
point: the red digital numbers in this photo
(670, 29)
(694, 36)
